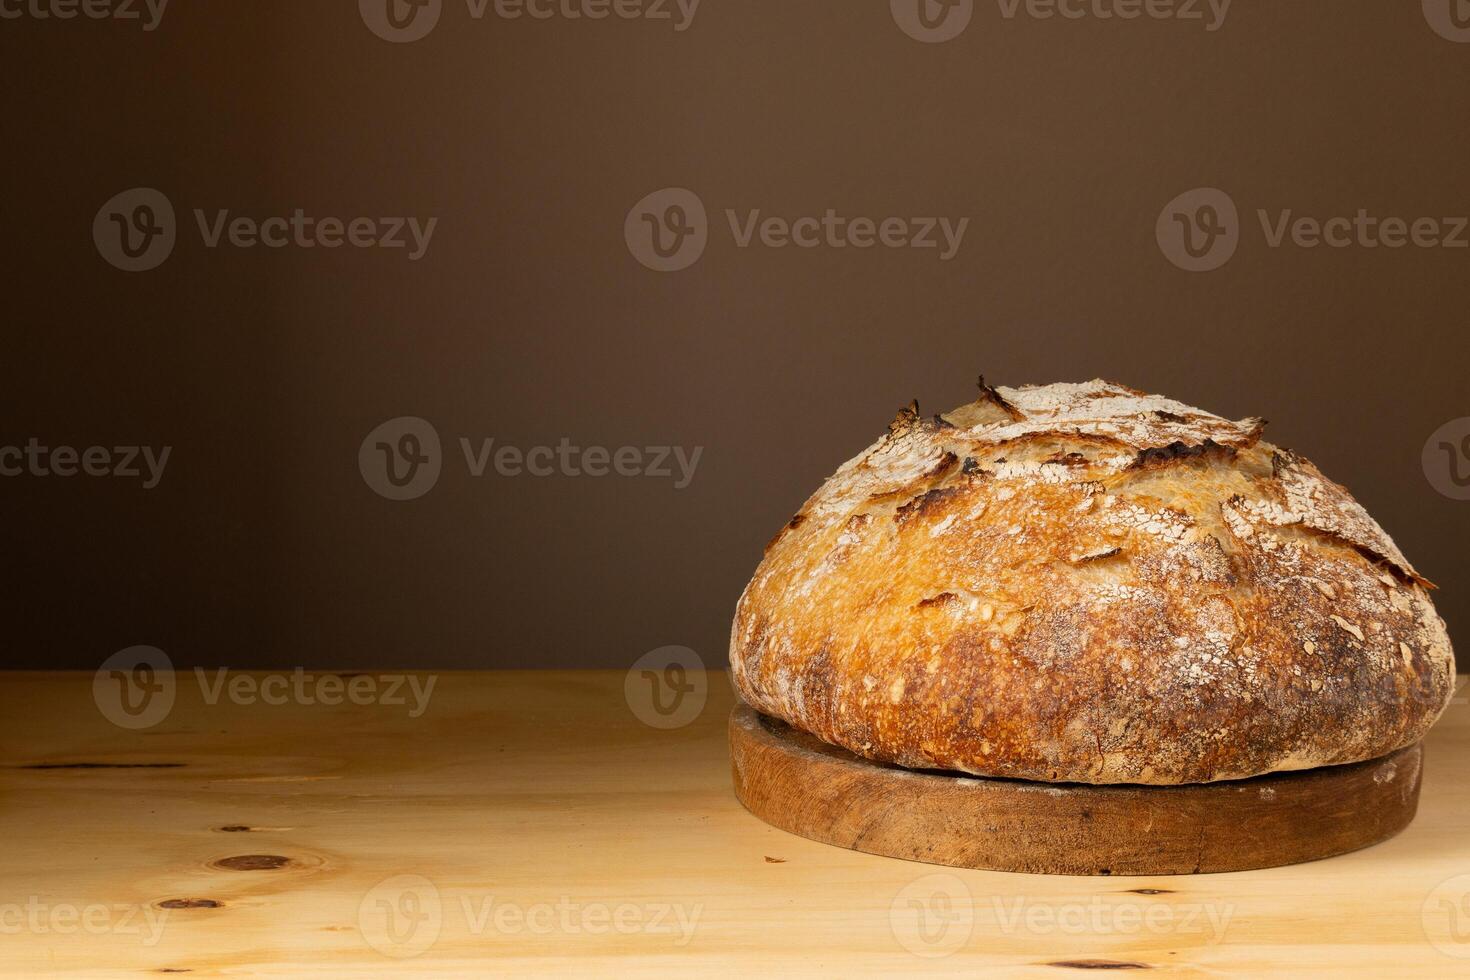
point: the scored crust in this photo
(1086, 583)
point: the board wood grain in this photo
(803, 785)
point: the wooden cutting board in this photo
(800, 784)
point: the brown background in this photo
(529, 320)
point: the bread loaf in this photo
(1086, 583)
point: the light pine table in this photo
(537, 823)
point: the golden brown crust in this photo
(1086, 583)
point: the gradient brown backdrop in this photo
(528, 320)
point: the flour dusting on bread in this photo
(1084, 582)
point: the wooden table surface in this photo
(530, 823)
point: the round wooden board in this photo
(803, 785)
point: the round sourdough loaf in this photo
(1086, 583)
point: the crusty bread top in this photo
(1084, 582)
